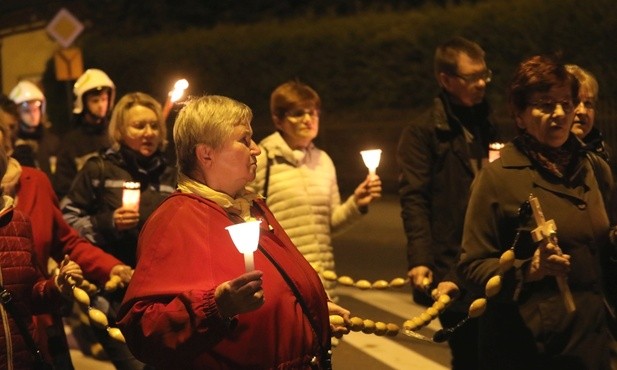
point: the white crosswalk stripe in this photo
(396, 353)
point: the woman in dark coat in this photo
(94, 205)
(527, 325)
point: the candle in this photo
(493, 151)
(245, 237)
(174, 95)
(130, 195)
(371, 160)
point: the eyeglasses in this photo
(548, 106)
(486, 76)
(297, 115)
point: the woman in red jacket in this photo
(191, 305)
(30, 292)
(53, 238)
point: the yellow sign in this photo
(69, 64)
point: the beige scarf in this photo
(239, 206)
(11, 178)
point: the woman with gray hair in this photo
(94, 204)
(191, 303)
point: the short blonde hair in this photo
(585, 79)
(117, 124)
(209, 120)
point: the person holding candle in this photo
(299, 181)
(191, 303)
(93, 205)
(527, 325)
(439, 154)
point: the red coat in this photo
(53, 237)
(169, 316)
(30, 292)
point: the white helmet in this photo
(26, 91)
(92, 79)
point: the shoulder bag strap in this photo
(6, 300)
(326, 360)
(267, 178)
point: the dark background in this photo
(370, 60)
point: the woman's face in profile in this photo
(235, 162)
(142, 131)
(548, 116)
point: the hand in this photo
(448, 288)
(334, 309)
(70, 274)
(122, 274)
(243, 294)
(548, 259)
(420, 277)
(368, 190)
(125, 218)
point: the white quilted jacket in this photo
(303, 194)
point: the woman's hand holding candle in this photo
(125, 218)
(240, 295)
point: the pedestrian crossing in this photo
(368, 351)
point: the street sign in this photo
(64, 28)
(69, 64)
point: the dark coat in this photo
(436, 173)
(531, 329)
(97, 192)
(79, 144)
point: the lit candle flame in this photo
(178, 91)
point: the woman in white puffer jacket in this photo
(299, 180)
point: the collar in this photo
(11, 177)
(239, 206)
(278, 147)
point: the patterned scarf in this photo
(239, 206)
(557, 161)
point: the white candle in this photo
(371, 160)
(130, 195)
(249, 262)
(246, 239)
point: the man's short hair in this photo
(446, 55)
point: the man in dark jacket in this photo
(439, 155)
(94, 99)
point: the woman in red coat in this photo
(191, 305)
(30, 292)
(53, 238)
